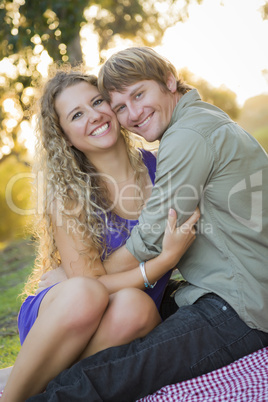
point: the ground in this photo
(16, 262)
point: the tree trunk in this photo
(75, 51)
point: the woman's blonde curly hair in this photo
(70, 185)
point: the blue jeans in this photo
(194, 340)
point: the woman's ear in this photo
(171, 83)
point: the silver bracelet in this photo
(147, 284)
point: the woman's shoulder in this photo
(149, 160)
(148, 156)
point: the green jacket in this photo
(206, 159)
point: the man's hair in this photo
(136, 64)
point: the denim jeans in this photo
(194, 340)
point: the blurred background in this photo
(218, 46)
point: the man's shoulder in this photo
(181, 134)
(183, 143)
(193, 113)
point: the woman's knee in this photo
(135, 313)
(82, 302)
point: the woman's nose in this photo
(93, 115)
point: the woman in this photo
(95, 183)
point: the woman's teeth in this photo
(100, 130)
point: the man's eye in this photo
(76, 115)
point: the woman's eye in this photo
(76, 115)
(120, 109)
(138, 95)
(98, 102)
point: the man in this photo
(204, 159)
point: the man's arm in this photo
(184, 165)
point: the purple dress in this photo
(117, 233)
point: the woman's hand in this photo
(51, 278)
(177, 240)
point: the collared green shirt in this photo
(206, 159)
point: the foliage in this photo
(261, 136)
(56, 22)
(265, 10)
(254, 114)
(222, 97)
(254, 118)
(34, 33)
(15, 198)
(142, 21)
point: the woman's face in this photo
(86, 119)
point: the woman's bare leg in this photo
(68, 317)
(4, 375)
(131, 314)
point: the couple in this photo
(96, 183)
(219, 314)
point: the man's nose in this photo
(134, 112)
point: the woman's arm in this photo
(175, 243)
(76, 260)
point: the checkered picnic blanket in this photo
(245, 380)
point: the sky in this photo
(223, 41)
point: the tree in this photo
(222, 97)
(254, 118)
(36, 32)
(15, 199)
(265, 10)
(254, 114)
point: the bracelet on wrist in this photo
(147, 284)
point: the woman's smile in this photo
(86, 119)
(100, 130)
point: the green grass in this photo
(9, 348)
(16, 262)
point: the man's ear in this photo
(171, 83)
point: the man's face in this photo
(145, 108)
